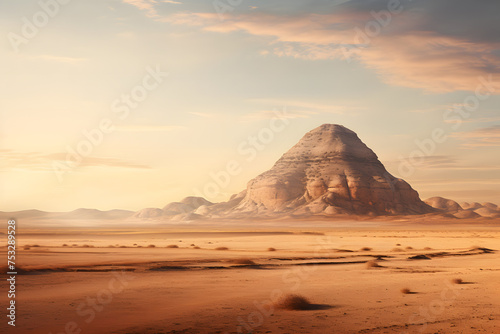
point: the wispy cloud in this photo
(148, 6)
(406, 57)
(269, 114)
(172, 2)
(201, 114)
(36, 161)
(148, 128)
(489, 136)
(313, 107)
(60, 59)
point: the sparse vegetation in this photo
(172, 246)
(457, 281)
(196, 247)
(427, 248)
(405, 291)
(271, 249)
(123, 247)
(74, 245)
(294, 302)
(244, 261)
(151, 246)
(366, 249)
(397, 250)
(65, 245)
(398, 244)
(222, 248)
(27, 248)
(409, 248)
(373, 264)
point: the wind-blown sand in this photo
(102, 289)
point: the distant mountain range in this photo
(329, 172)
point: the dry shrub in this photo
(172, 246)
(196, 247)
(65, 245)
(457, 281)
(398, 244)
(271, 249)
(27, 248)
(74, 245)
(151, 246)
(405, 291)
(397, 250)
(293, 302)
(427, 248)
(111, 246)
(192, 245)
(373, 264)
(35, 246)
(366, 249)
(123, 246)
(409, 247)
(244, 261)
(222, 248)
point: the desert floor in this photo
(103, 282)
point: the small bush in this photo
(366, 249)
(65, 245)
(405, 291)
(427, 248)
(196, 247)
(26, 248)
(151, 246)
(409, 247)
(373, 264)
(294, 302)
(244, 261)
(457, 281)
(397, 250)
(172, 246)
(222, 248)
(271, 249)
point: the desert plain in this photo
(221, 277)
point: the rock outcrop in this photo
(330, 171)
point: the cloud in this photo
(404, 53)
(309, 106)
(489, 136)
(36, 161)
(145, 5)
(60, 59)
(201, 114)
(172, 2)
(148, 128)
(270, 114)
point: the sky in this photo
(137, 103)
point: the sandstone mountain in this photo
(464, 210)
(330, 171)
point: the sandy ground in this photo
(102, 282)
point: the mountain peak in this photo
(329, 141)
(329, 171)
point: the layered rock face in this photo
(330, 170)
